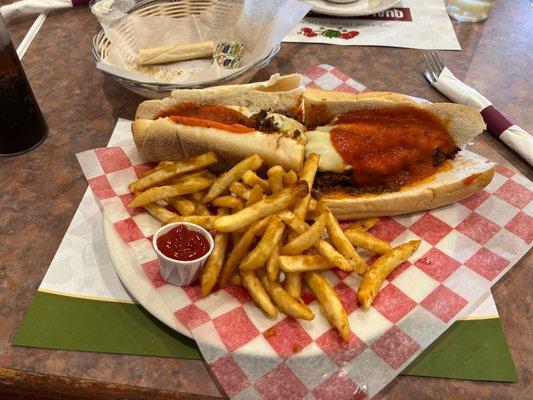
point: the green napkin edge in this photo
(71, 323)
(471, 349)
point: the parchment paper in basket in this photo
(259, 25)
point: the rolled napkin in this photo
(30, 7)
(177, 52)
(497, 124)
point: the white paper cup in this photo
(176, 272)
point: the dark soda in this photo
(22, 126)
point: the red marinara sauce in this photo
(210, 116)
(183, 244)
(391, 147)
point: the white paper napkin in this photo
(29, 7)
(497, 124)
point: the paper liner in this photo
(466, 247)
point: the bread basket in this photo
(174, 9)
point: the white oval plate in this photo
(356, 9)
(132, 276)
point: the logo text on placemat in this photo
(392, 14)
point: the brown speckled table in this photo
(41, 190)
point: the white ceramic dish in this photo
(355, 9)
(138, 285)
(136, 282)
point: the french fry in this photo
(235, 237)
(222, 183)
(175, 169)
(240, 190)
(197, 197)
(236, 280)
(207, 174)
(165, 192)
(324, 248)
(307, 174)
(159, 212)
(200, 209)
(259, 255)
(360, 238)
(205, 221)
(382, 267)
(275, 178)
(211, 270)
(302, 263)
(365, 224)
(156, 168)
(293, 284)
(185, 177)
(293, 280)
(269, 205)
(256, 194)
(341, 242)
(239, 251)
(329, 301)
(312, 211)
(258, 293)
(183, 205)
(290, 178)
(229, 202)
(307, 239)
(283, 300)
(333, 256)
(251, 179)
(272, 265)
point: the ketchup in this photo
(183, 244)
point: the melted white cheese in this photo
(286, 124)
(242, 109)
(319, 141)
(283, 123)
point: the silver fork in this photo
(434, 66)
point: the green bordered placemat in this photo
(471, 349)
(71, 323)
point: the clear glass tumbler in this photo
(22, 126)
(470, 10)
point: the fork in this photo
(442, 79)
(434, 66)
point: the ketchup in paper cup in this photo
(182, 249)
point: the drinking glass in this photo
(22, 126)
(470, 10)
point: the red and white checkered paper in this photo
(466, 247)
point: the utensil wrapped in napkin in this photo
(497, 124)
(29, 7)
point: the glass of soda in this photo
(22, 126)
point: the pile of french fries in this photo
(262, 240)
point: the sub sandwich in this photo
(236, 121)
(380, 153)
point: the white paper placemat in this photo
(415, 24)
